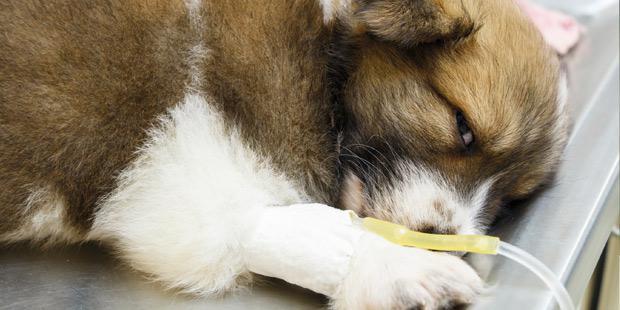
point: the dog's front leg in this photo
(183, 209)
(321, 248)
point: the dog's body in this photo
(161, 127)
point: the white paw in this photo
(387, 276)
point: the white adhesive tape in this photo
(310, 245)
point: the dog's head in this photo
(453, 108)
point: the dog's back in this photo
(83, 81)
(80, 83)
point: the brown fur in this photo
(83, 81)
(268, 75)
(80, 83)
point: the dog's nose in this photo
(435, 229)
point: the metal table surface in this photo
(566, 226)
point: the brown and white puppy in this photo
(163, 127)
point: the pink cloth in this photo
(559, 30)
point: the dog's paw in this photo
(387, 276)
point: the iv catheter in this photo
(467, 243)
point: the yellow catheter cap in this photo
(399, 234)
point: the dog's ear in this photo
(409, 23)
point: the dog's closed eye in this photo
(467, 136)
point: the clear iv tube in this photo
(468, 243)
(530, 262)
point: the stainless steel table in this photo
(89, 278)
(566, 227)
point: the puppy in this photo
(163, 127)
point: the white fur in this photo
(197, 55)
(198, 52)
(44, 219)
(472, 223)
(333, 8)
(561, 124)
(182, 208)
(562, 92)
(411, 201)
(193, 6)
(387, 276)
